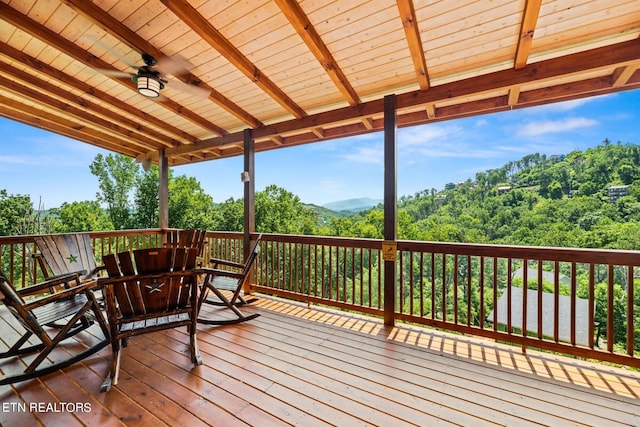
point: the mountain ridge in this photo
(352, 205)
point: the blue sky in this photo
(52, 169)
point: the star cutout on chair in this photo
(154, 286)
(72, 259)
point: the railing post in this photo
(390, 196)
(248, 178)
(163, 190)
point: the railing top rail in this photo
(585, 255)
(580, 255)
(325, 240)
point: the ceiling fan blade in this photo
(196, 91)
(174, 65)
(114, 73)
(111, 50)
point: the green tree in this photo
(555, 190)
(189, 205)
(146, 198)
(280, 211)
(18, 217)
(230, 215)
(117, 176)
(80, 216)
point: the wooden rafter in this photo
(200, 25)
(529, 21)
(131, 113)
(130, 38)
(83, 110)
(431, 110)
(412, 32)
(514, 94)
(480, 61)
(622, 75)
(594, 59)
(63, 45)
(42, 119)
(299, 20)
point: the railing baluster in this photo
(574, 295)
(525, 295)
(610, 309)
(433, 285)
(630, 311)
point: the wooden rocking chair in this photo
(227, 285)
(71, 310)
(188, 239)
(67, 253)
(161, 295)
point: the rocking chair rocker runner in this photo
(72, 310)
(227, 285)
(161, 295)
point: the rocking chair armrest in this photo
(52, 281)
(64, 294)
(228, 263)
(218, 272)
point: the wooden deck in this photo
(300, 366)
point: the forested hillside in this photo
(580, 199)
(559, 200)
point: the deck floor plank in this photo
(296, 365)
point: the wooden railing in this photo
(17, 261)
(589, 298)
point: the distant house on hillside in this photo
(617, 191)
(545, 314)
(548, 276)
(555, 158)
(504, 189)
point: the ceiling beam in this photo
(190, 16)
(601, 58)
(81, 113)
(412, 32)
(131, 112)
(133, 128)
(42, 119)
(527, 28)
(299, 20)
(114, 27)
(65, 46)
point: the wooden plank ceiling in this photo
(298, 71)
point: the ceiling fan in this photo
(149, 78)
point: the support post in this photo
(248, 177)
(390, 213)
(163, 190)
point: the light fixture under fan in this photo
(147, 80)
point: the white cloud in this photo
(555, 126)
(15, 160)
(372, 153)
(566, 105)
